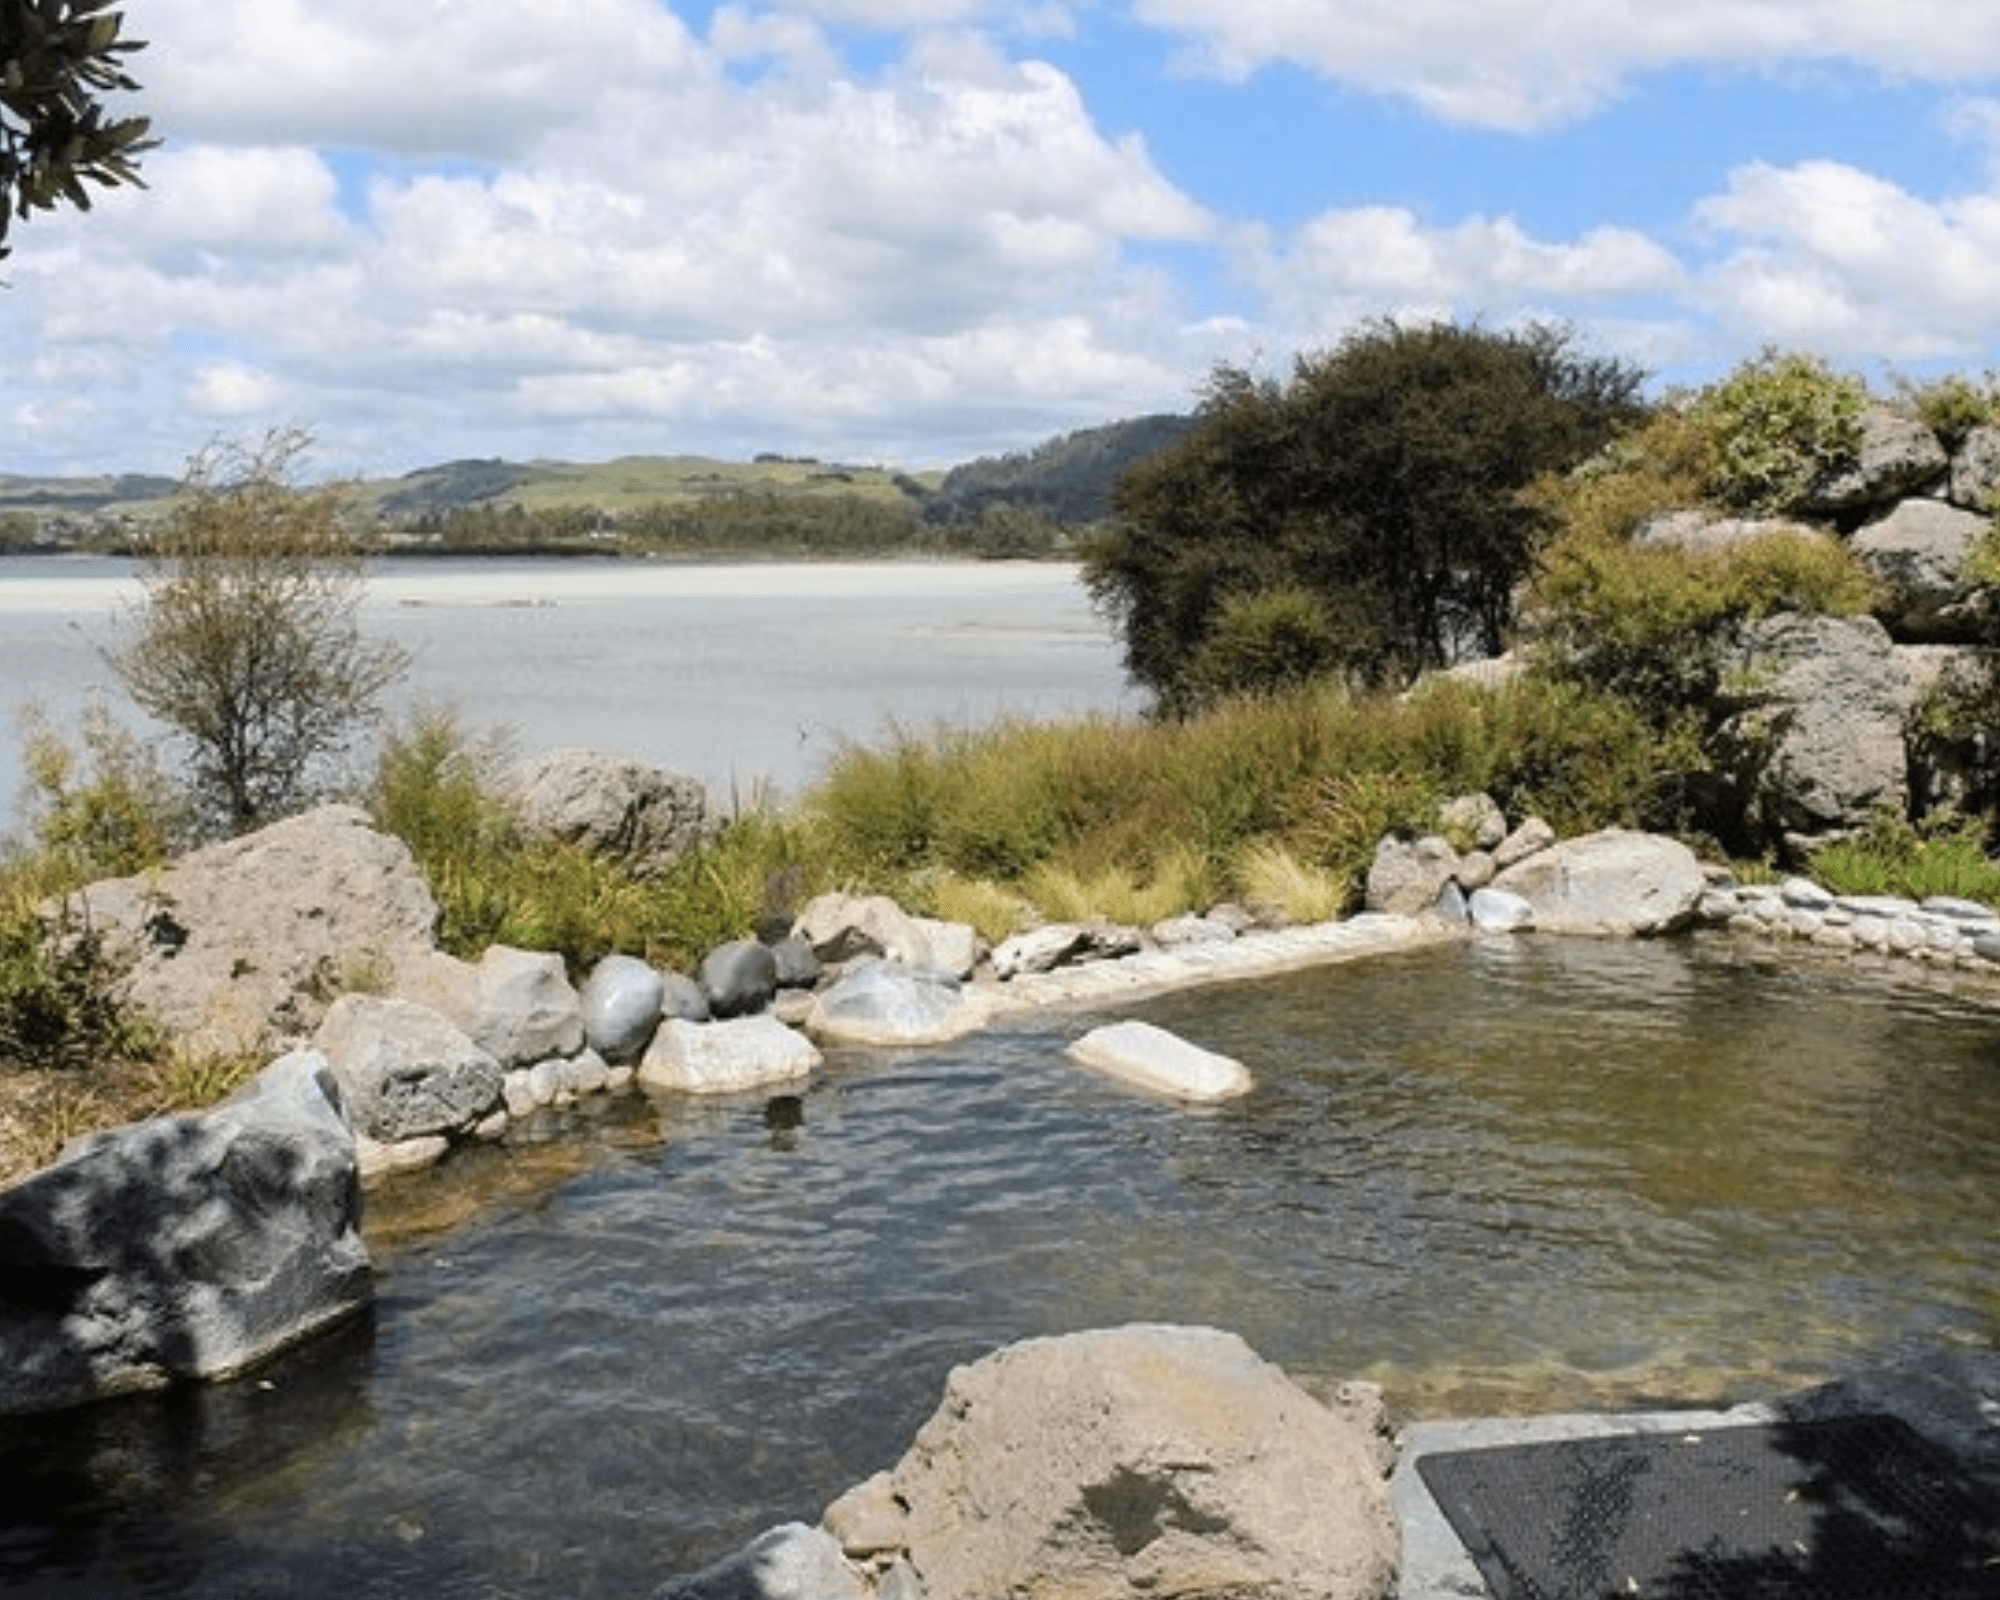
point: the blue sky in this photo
(916, 231)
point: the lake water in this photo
(1515, 1175)
(747, 677)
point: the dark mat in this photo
(1850, 1508)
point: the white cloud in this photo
(1524, 64)
(1828, 257)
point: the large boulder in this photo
(1916, 554)
(238, 949)
(1168, 1462)
(1899, 455)
(1821, 740)
(516, 1005)
(642, 816)
(1975, 469)
(407, 1072)
(1614, 882)
(184, 1247)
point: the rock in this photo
(1154, 1059)
(642, 816)
(1899, 456)
(738, 978)
(955, 946)
(798, 967)
(1063, 944)
(1530, 837)
(723, 1057)
(1822, 742)
(1156, 1461)
(622, 1002)
(791, 1562)
(681, 996)
(1176, 932)
(406, 1072)
(1472, 822)
(237, 949)
(1499, 911)
(1613, 882)
(1916, 554)
(1700, 530)
(516, 1005)
(882, 1002)
(840, 927)
(184, 1247)
(1975, 470)
(1408, 875)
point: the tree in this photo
(1384, 478)
(56, 58)
(246, 641)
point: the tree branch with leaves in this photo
(59, 59)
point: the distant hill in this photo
(1066, 480)
(1069, 479)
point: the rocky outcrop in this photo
(516, 1005)
(1917, 554)
(1145, 1460)
(1160, 1062)
(1409, 876)
(238, 948)
(1820, 741)
(1614, 882)
(842, 927)
(1064, 944)
(183, 1247)
(642, 816)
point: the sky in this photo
(913, 232)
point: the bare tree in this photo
(247, 642)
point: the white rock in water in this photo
(1155, 1059)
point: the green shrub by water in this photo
(1892, 856)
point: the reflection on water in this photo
(1521, 1175)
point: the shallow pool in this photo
(1508, 1176)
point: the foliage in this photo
(246, 642)
(1273, 879)
(1655, 623)
(1262, 643)
(59, 994)
(57, 59)
(1947, 855)
(105, 810)
(1953, 406)
(1781, 423)
(1385, 478)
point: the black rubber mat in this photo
(1850, 1508)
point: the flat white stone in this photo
(724, 1057)
(1154, 1059)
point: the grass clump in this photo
(1945, 855)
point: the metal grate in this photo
(1849, 1508)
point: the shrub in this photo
(101, 808)
(245, 642)
(1952, 407)
(1262, 643)
(1780, 424)
(1946, 855)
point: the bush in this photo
(1947, 855)
(1780, 424)
(246, 643)
(1264, 643)
(1386, 479)
(101, 809)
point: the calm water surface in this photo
(1518, 1175)
(742, 676)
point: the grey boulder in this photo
(883, 1002)
(1614, 882)
(407, 1072)
(739, 978)
(183, 1247)
(623, 1000)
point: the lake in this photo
(749, 677)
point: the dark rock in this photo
(739, 978)
(184, 1247)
